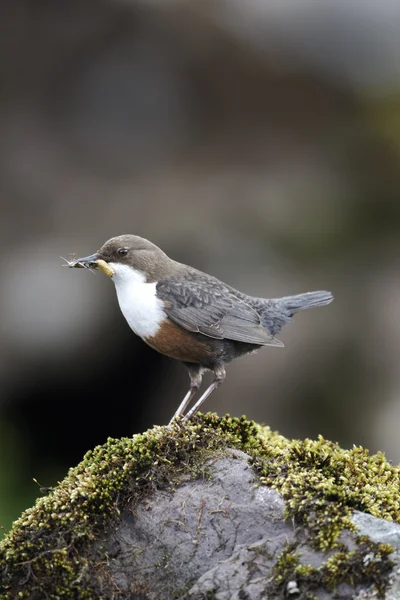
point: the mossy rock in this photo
(154, 515)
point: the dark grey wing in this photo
(209, 307)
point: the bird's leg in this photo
(220, 375)
(196, 376)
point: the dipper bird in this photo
(189, 315)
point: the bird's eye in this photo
(122, 251)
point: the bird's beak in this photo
(85, 262)
(90, 262)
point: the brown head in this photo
(130, 251)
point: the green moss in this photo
(46, 547)
(322, 484)
(368, 565)
(45, 553)
(285, 566)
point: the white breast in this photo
(138, 301)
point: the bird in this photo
(189, 315)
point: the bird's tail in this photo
(292, 304)
(276, 312)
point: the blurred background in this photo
(258, 141)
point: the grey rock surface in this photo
(219, 538)
(378, 530)
(186, 533)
